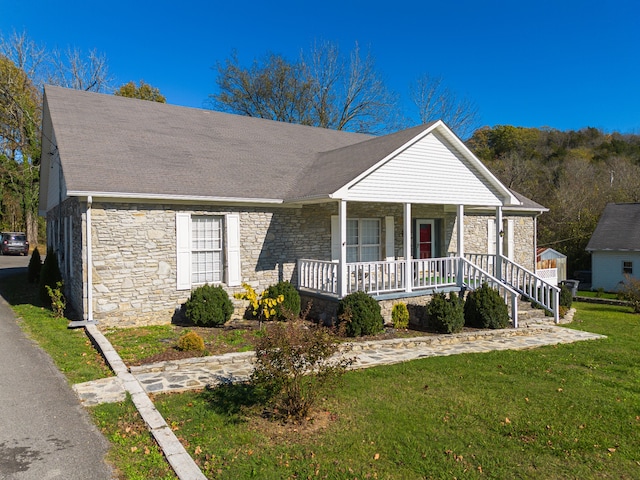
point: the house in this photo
(551, 265)
(615, 246)
(144, 201)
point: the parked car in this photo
(14, 242)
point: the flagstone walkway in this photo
(198, 373)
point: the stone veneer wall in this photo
(476, 236)
(134, 250)
(71, 212)
(134, 254)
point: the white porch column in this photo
(408, 256)
(499, 237)
(460, 219)
(342, 258)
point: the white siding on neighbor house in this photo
(606, 269)
(431, 172)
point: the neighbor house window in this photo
(363, 240)
(627, 268)
(206, 249)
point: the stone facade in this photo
(133, 249)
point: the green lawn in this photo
(71, 350)
(568, 411)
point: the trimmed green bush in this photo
(35, 266)
(485, 308)
(566, 296)
(191, 341)
(400, 315)
(208, 306)
(290, 307)
(446, 315)
(49, 276)
(359, 314)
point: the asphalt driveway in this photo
(44, 431)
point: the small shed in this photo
(548, 259)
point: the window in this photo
(627, 268)
(206, 250)
(363, 240)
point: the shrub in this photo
(191, 341)
(566, 297)
(400, 315)
(262, 307)
(58, 302)
(290, 306)
(630, 291)
(360, 314)
(35, 265)
(485, 308)
(209, 306)
(49, 276)
(293, 365)
(446, 315)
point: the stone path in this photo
(197, 373)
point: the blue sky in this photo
(564, 64)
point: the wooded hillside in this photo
(573, 173)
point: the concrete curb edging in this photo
(175, 453)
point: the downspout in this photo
(89, 263)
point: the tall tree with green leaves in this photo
(24, 68)
(142, 91)
(20, 143)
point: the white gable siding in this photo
(430, 171)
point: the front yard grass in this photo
(566, 411)
(71, 350)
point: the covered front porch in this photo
(406, 276)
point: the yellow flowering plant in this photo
(264, 307)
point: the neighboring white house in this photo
(615, 246)
(145, 201)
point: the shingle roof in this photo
(527, 203)
(617, 229)
(121, 145)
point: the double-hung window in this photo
(363, 240)
(627, 268)
(206, 249)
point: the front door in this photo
(425, 239)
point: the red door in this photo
(425, 239)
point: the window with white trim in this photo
(627, 268)
(206, 249)
(363, 240)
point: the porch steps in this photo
(528, 315)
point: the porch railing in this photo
(473, 277)
(376, 277)
(430, 274)
(318, 275)
(434, 272)
(532, 287)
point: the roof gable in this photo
(120, 147)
